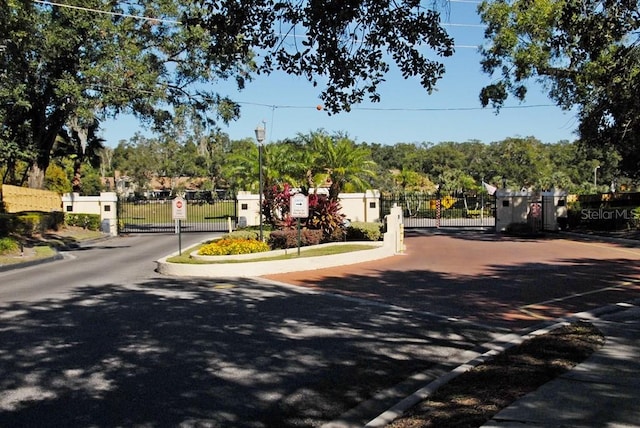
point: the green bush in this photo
(5, 224)
(229, 246)
(86, 221)
(28, 224)
(288, 238)
(635, 217)
(247, 234)
(364, 231)
(8, 245)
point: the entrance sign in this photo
(299, 206)
(179, 209)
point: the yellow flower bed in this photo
(225, 247)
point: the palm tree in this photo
(80, 143)
(343, 162)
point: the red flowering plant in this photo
(324, 213)
(275, 207)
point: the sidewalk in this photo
(603, 391)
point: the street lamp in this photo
(595, 177)
(260, 134)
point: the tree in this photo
(587, 54)
(342, 162)
(59, 62)
(80, 143)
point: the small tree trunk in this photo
(35, 178)
(76, 182)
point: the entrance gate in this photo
(423, 210)
(155, 215)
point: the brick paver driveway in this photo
(489, 278)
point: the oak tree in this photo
(93, 59)
(585, 52)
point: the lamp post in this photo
(260, 135)
(595, 177)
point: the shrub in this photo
(28, 224)
(325, 215)
(367, 231)
(5, 224)
(247, 234)
(8, 245)
(635, 217)
(86, 221)
(229, 246)
(288, 238)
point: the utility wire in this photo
(105, 12)
(299, 107)
(172, 21)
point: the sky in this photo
(406, 114)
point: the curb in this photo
(261, 268)
(495, 348)
(30, 263)
(57, 256)
(603, 238)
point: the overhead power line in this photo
(300, 107)
(172, 21)
(105, 12)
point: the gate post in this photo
(438, 207)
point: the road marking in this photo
(609, 246)
(223, 286)
(526, 309)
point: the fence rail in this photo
(157, 216)
(425, 211)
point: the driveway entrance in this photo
(488, 278)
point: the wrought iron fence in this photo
(155, 215)
(422, 210)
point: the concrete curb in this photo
(30, 263)
(254, 269)
(496, 347)
(55, 257)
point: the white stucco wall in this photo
(105, 205)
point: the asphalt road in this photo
(100, 340)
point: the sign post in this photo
(179, 212)
(299, 208)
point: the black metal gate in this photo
(423, 210)
(156, 215)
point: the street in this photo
(100, 339)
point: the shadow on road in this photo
(167, 352)
(244, 353)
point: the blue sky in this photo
(406, 112)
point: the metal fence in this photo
(156, 215)
(422, 210)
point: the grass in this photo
(44, 245)
(474, 397)
(293, 254)
(30, 253)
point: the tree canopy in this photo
(585, 52)
(93, 59)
